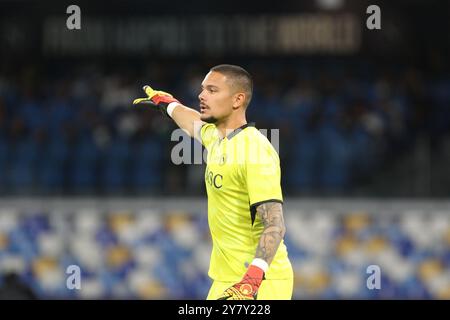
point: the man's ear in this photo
(238, 100)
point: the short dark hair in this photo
(239, 77)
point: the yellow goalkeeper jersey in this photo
(243, 171)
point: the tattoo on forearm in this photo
(271, 214)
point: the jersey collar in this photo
(237, 130)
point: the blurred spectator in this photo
(345, 128)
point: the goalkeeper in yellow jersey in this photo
(249, 259)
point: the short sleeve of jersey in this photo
(263, 175)
(208, 133)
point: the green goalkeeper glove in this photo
(156, 99)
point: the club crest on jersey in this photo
(223, 159)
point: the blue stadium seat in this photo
(22, 165)
(4, 163)
(51, 170)
(83, 171)
(306, 156)
(336, 158)
(34, 114)
(60, 112)
(146, 167)
(115, 165)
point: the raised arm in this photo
(186, 118)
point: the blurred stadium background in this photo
(364, 119)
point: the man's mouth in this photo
(203, 108)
